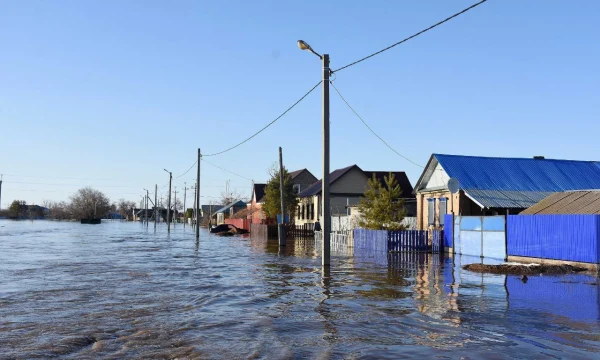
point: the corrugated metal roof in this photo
(570, 202)
(315, 188)
(238, 203)
(518, 182)
(506, 199)
(521, 174)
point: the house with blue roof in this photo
(495, 186)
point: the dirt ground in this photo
(513, 269)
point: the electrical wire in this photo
(372, 131)
(188, 170)
(412, 36)
(265, 127)
(228, 171)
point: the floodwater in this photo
(120, 290)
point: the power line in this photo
(412, 36)
(374, 133)
(188, 170)
(228, 171)
(269, 124)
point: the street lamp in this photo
(169, 203)
(325, 209)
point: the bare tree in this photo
(88, 203)
(125, 207)
(229, 195)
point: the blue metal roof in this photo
(518, 182)
(238, 203)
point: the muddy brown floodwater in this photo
(120, 290)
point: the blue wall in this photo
(560, 237)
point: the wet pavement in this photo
(120, 290)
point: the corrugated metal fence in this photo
(559, 237)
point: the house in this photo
(228, 211)
(256, 201)
(301, 179)
(568, 202)
(495, 186)
(346, 187)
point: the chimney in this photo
(539, 157)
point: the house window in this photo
(298, 212)
(312, 211)
(296, 189)
(431, 211)
(443, 210)
(303, 212)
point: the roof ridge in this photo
(514, 158)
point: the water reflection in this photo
(125, 292)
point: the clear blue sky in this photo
(108, 93)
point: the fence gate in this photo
(482, 236)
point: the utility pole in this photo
(198, 206)
(281, 226)
(1, 176)
(146, 208)
(147, 198)
(175, 207)
(169, 202)
(155, 205)
(325, 247)
(194, 208)
(184, 198)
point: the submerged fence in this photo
(398, 241)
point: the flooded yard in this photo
(121, 290)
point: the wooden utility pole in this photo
(155, 205)
(281, 226)
(198, 206)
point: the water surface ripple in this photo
(120, 290)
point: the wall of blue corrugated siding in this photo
(560, 237)
(448, 230)
(374, 240)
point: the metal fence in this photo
(408, 240)
(482, 236)
(399, 241)
(559, 237)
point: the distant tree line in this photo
(84, 204)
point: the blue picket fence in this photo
(408, 240)
(398, 241)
